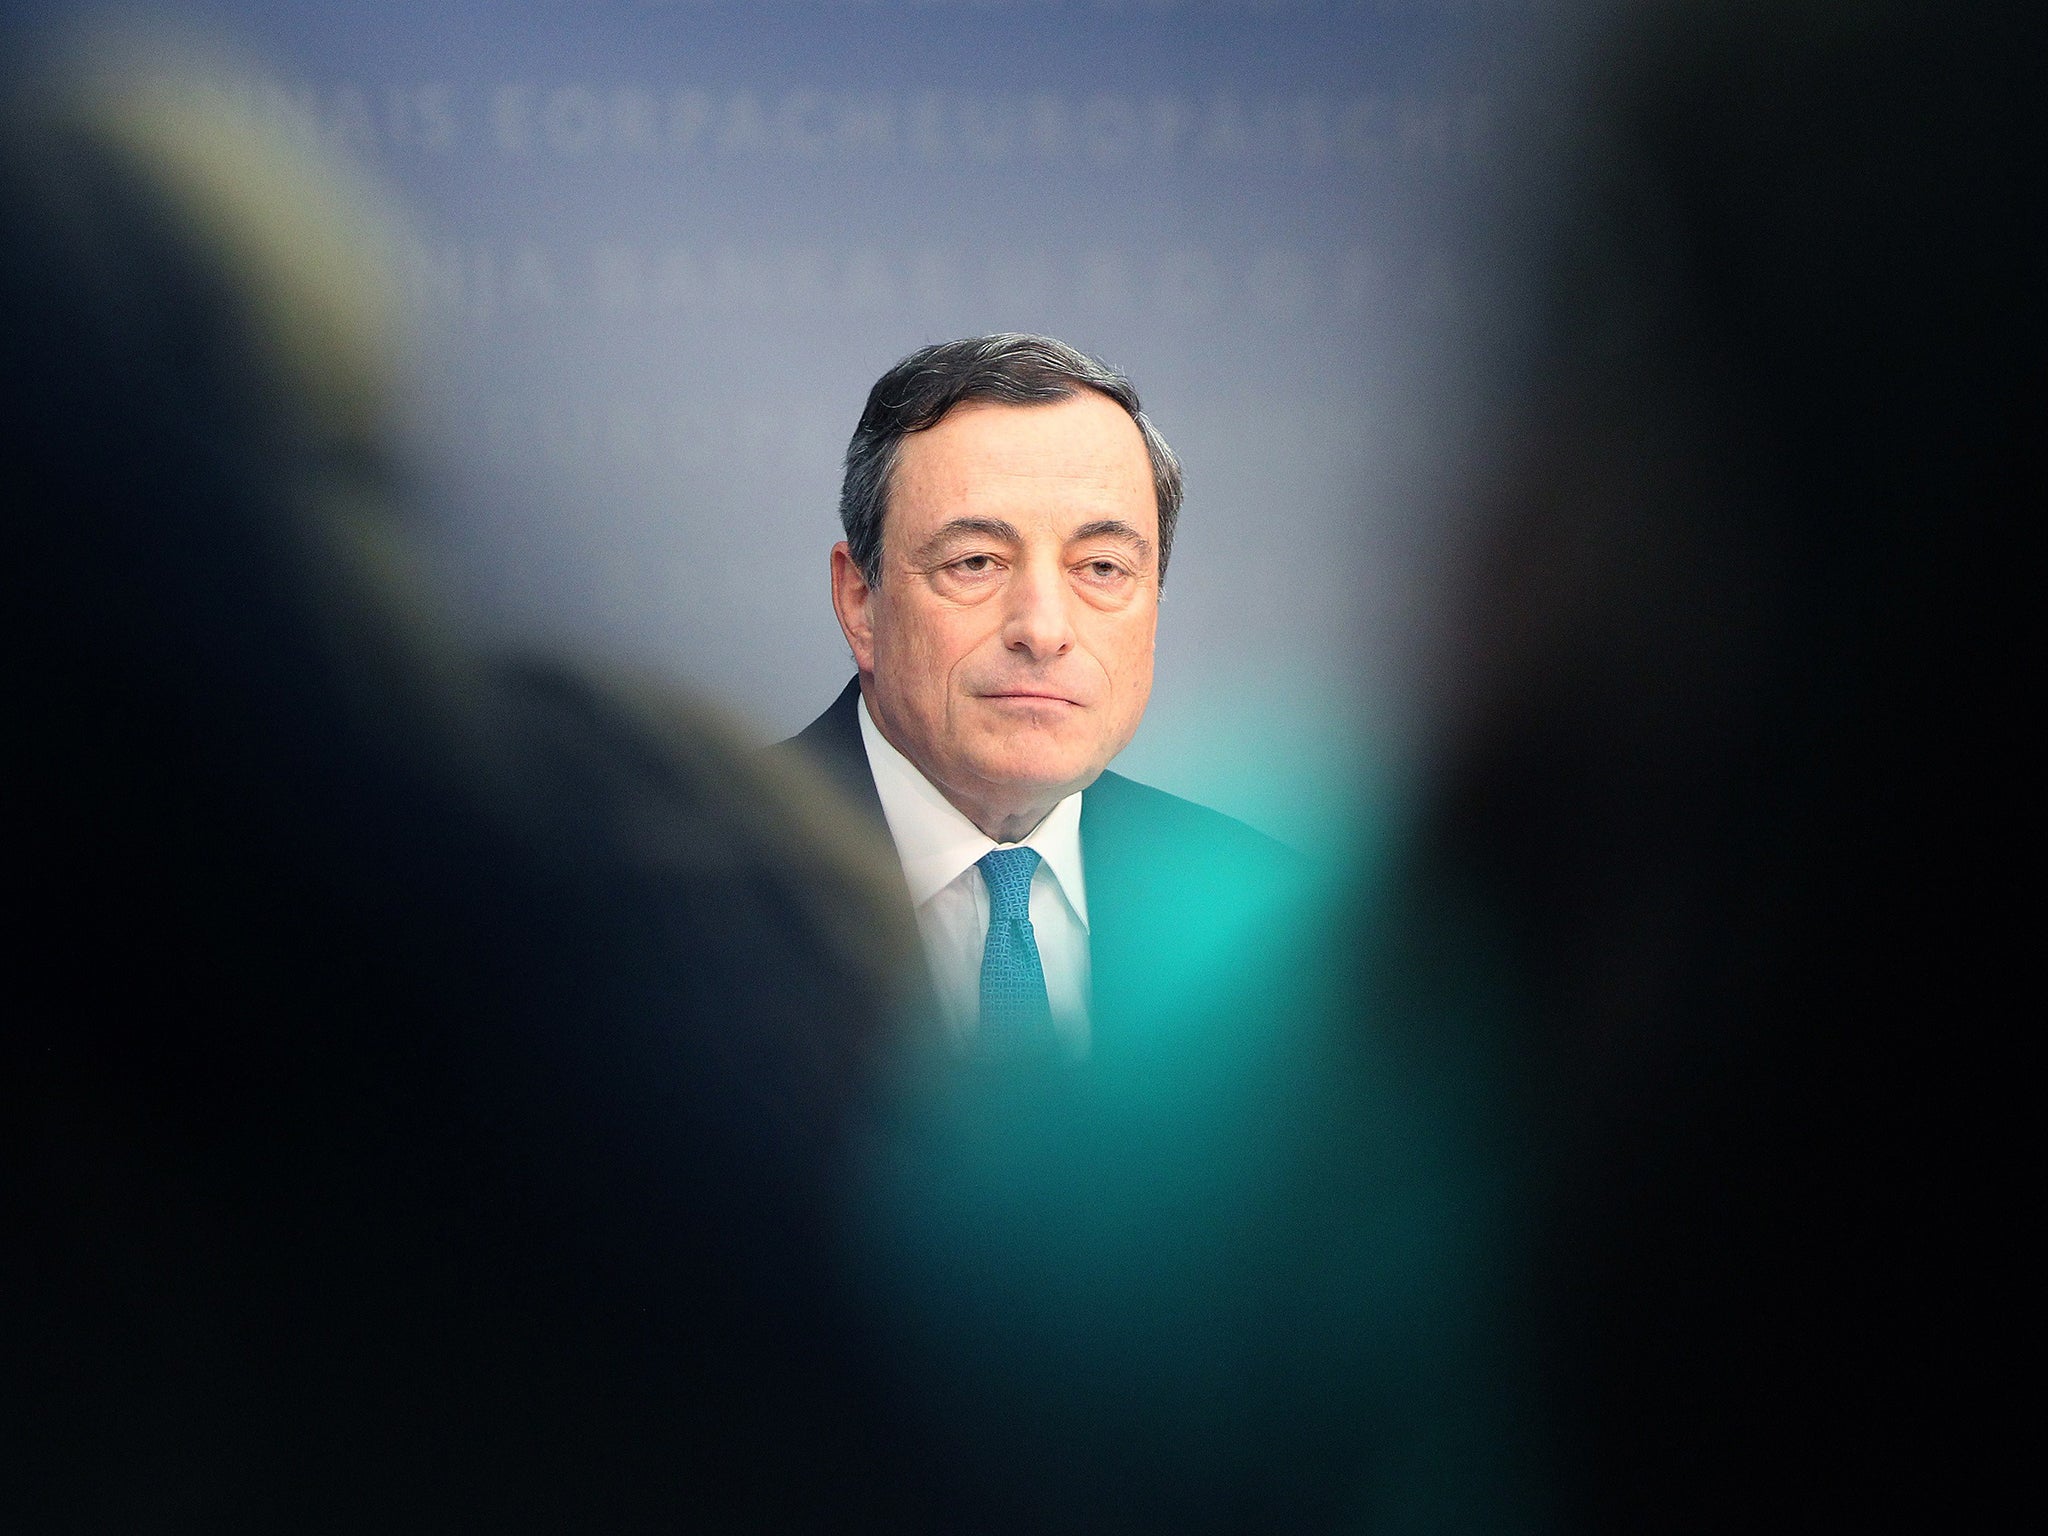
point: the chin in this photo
(1039, 772)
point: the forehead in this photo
(1041, 467)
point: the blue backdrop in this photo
(661, 248)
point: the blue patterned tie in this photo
(1016, 1019)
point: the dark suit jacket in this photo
(1176, 891)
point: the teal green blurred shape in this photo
(1248, 1246)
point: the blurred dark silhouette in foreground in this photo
(1733, 774)
(425, 1080)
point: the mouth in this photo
(1031, 696)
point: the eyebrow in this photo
(1112, 528)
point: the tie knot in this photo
(1007, 873)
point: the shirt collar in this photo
(937, 844)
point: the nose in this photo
(1037, 622)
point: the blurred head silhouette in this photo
(1733, 766)
(425, 1075)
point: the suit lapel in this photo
(832, 742)
(1116, 898)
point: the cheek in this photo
(1123, 649)
(922, 648)
(1137, 686)
(1134, 657)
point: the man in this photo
(1009, 512)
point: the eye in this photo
(968, 574)
(1103, 571)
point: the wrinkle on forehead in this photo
(1072, 461)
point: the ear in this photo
(853, 601)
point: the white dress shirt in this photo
(939, 847)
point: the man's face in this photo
(1007, 649)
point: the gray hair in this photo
(1010, 368)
